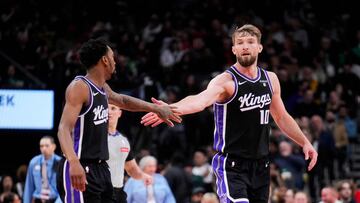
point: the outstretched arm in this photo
(287, 124)
(165, 112)
(220, 88)
(196, 103)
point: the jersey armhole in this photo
(88, 106)
(235, 92)
(269, 82)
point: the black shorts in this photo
(241, 180)
(119, 195)
(98, 190)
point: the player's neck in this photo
(250, 71)
(96, 77)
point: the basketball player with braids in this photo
(243, 97)
(83, 128)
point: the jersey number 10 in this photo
(264, 117)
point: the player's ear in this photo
(260, 48)
(105, 59)
(233, 50)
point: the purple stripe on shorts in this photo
(67, 183)
(76, 196)
(215, 165)
(222, 165)
(219, 161)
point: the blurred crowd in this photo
(170, 49)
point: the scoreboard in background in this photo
(26, 109)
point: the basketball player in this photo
(121, 157)
(244, 96)
(83, 127)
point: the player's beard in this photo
(246, 61)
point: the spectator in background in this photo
(350, 124)
(202, 172)
(334, 102)
(292, 166)
(12, 79)
(345, 190)
(11, 198)
(301, 197)
(289, 196)
(326, 150)
(158, 192)
(307, 106)
(209, 197)
(21, 177)
(329, 195)
(279, 194)
(197, 194)
(178, 179)
(40, 185)
(7, 187)
(341, 143)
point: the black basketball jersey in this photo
(91, 128)
(242, 122)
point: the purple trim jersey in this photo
(242, 123)
(91, 128)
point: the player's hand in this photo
(152, 119)
(77, 175)
(148, 179)
(311, 153)
(165, 113)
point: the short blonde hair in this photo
(247, 29)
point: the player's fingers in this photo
(311, 164)
(176, 118)
(147, 123)
(306, 153)
(151, 120)
(148, 119)
(155, 101)
(169, 123)
(75, 180)
(83, 182)
(157, 123)
(147, 115)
